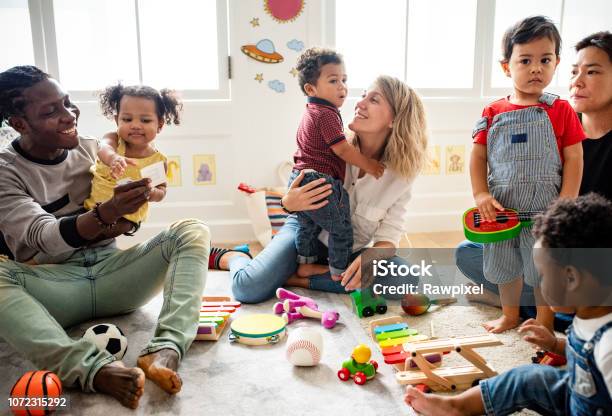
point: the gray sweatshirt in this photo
(40, 200)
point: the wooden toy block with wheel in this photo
(449, 378)
(214, 315)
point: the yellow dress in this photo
(103, 183)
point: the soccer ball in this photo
(108, 337)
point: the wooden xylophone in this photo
(214, 315)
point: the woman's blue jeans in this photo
(256, 280)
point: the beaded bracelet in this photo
(101, 223)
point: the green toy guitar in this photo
(507, 224)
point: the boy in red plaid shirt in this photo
(323, 153)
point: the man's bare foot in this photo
(160, 367)
(487, 298)
(124, 384)
(430, 404)
(307, 270)
(501, 324)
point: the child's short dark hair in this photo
(527, 30)
(601, 40)
(576, 230)
(13, 82)
(310, 62)
(167, 103)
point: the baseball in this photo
(304, 347)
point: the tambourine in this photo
(257, 329)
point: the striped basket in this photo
(265, 212)
(275, 211)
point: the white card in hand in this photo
(156, 172)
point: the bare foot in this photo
(501, 324)
(307, 270)
(160, 367)
(124, 384)
(430, 404)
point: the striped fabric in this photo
(524, 174)
(275, 211)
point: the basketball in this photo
(35, 384)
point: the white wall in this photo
(255, 131)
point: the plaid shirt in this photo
(320, 128)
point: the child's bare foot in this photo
(160, 367)
(307, 270)
(124, 384)
(501, 324)
(430, 404)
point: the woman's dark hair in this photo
(12, 83)
(167, 103)
(601, 40)
(310, 62)
(578, 232)
(527, 30)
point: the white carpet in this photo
(227, 379)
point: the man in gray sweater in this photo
(61, 265)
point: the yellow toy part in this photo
(362, 353)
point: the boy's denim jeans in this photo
(37, 302)
(532, 386)
(335, 218)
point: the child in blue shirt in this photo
(573, 254)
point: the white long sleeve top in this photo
(378, 207)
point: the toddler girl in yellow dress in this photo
(140, 113)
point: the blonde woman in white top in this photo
(389, 125)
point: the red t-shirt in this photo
(320, 128)
(563, 118)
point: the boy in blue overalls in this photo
(573, 255)
(530, 142)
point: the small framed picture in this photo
(204, 170)
(174, 171)
(455, 160)
(432, 167)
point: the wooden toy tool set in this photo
(419, 361)
(214, 315)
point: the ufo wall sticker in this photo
(263, 51)
(284, 11)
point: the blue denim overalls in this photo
(525, 175)
(588, 393)
(577, 390)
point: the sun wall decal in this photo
(284, 11)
